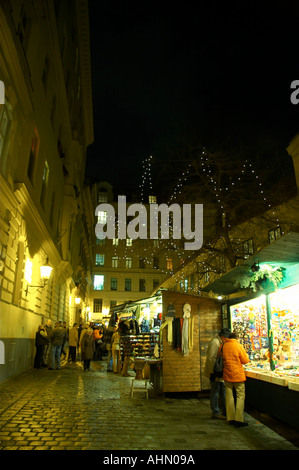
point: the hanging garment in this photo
(185, 337)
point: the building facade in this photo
(46, 126)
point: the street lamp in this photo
(45, 273)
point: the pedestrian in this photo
(98, 337)
(234, 356)
(57, 339)
(87, 348)
(217, 396)
(41, 340)
(47, 349)
(115, 348)
(73, 342)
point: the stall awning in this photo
(284, 252)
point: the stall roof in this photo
(284, 252)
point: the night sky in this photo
(189, 73)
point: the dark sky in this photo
(167, 73)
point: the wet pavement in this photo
(71, 409)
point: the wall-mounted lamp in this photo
(45, 273)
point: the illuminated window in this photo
(274, 234)
(169, 263)
(114, 261)
(98, 282)
(129, 242)
(248, 248)
(100, 259)
(152, 199)
(102, 217)
(128, 263)
(115, 241)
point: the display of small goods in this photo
(142, 345)
(249, 320)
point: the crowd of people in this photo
(86, 342)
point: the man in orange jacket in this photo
(234, 356)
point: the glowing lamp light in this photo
(45, 271)
(77, 300)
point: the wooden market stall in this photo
(184, 373)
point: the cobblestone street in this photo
(71, 409)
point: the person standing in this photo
(217, 396)
(47, 349)
(87, 348)
(115, 348)
(73, 342)
(41, 341)
(234, 356)
(57, 340)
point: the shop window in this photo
(128, 263)
(248, 248)
(97, 305)
(98, 282)
(274, 234)
(128, 284)
(113, 283)
(141, 285)
(100, 259)
(114, 261)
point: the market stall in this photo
(268, 328)
(171, 332)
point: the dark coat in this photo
(87, 347)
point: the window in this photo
(113, 284)
(4, 136)
(101, 241)
(155, 283)
(128, 263)
(100, 259)
(129, 242)
(248, 248)
(115, 241)
(156, 263)
(44, 183)
(141, 263)
(141, 285)
(103, 197)
(169, 263)
(97, 305)
(33, 155)
(152, 199)
(128, 284)
(207, 276)
(114, 261)
(102, 217)
(98, 282)
(274, 234)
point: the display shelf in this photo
(141, 345)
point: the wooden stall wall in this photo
(185, 373)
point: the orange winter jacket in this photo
(234, 356)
